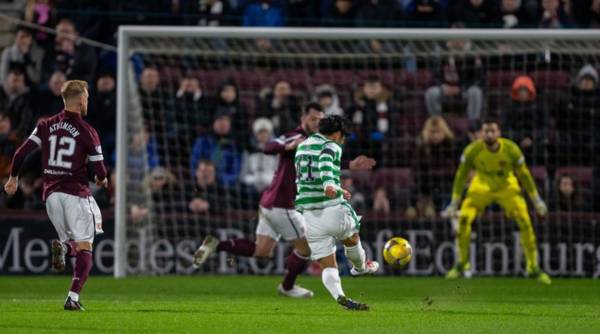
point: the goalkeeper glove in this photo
(539, 205)
(451, 210)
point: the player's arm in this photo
(22, 152)
(326, 168)
(94, 152)
(282, 144)
(460, 178)
(524, 176)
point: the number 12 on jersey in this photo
(65, 149)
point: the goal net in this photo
(196, 105)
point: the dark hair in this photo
(334, 123)
(16, 69)
(373, 78)
(490, 120)
(24, 29)
(312, 105)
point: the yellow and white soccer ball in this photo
(397, 252)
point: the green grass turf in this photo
(249, 304)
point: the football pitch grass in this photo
(250, 304)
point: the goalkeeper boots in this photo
(208, 247)
(352, 305)
(540, 276)
(58, 256)
(371, 267)
(459, 270)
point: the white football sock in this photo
(356, 255)
(331, 280)
(74, 296)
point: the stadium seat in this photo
(582, 175)
(341, 79)
(386, 77)
(551, 79)
(501, 79)
(419, 79)
(459, 125)
(297, 78)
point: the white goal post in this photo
(126, 82)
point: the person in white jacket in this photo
(258, 168)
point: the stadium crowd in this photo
(220, 129)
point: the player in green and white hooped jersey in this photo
(323, 204)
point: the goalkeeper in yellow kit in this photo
(496, 161)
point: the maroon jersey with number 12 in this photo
(67, 143)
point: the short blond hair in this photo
(432, 123)
(73, 88)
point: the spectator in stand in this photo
(163, 185)
(525, 121)
(24, 52)
(154, 103)
(370, 115)
(50, 100)
(555, 14)
(206, 13)
(425, 13)
(434, 165)
(515, 15)
(579, 122)
(341, 13)
(70, 55)
(86, 15)
(228, 101)
(220, 148)
(258, 168)
(263, 13)
(15, 102)
(302, 13)
(8, 146)
(458, 90)
(192, 115)
(105, 196)
(40, 12)
(281, 106)
(587, 13)
(29, 194)
(378, 13)
(103, 113)
(142, 144)
(208, 196)
(381, 201)
(327, 97)
(567, 197)
(477, 13)
(358, 199)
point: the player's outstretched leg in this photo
(463, 238)
(81, 271)
(296, 263)
(356, 254)
(331, 279)
(210, 245)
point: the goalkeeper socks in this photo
(239, 247)
(295, 265)
(331, 280)
(356, 255)
(81, 271)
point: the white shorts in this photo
(73, 217)
(325, 227)
(278, 222)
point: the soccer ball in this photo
(397, 252)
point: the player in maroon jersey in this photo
(277, 216)
(67, 144)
